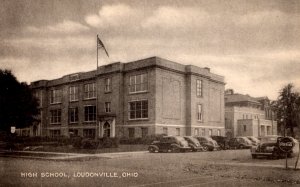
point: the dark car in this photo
(240, 143)
(269, 147)
(193, 143)
(207, 143)
(169, 144)
(222, 141)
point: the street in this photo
(219, 168)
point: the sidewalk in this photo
(64, 156)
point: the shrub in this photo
(88, 143)
(108, 142)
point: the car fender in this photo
(154, 146)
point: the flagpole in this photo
(97, 125)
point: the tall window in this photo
(89, 133)
(199, 87)
(138, 83)
(138, 109)
(219, 132)
(55, 116)
(55, 96)
(203, 132)
(196, 132)
(89, 91)
(177, 131)
(131, 132)
(107, 85)
(199, 112)
(107, 107)
(54, 133)
(89, 113)
(209, 132)
(73, 115)
(39, 96)
(144, 132)
(73, 92)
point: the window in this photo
(199, 112)
(89, 133)
(218, 132)
(177, 131)
(39, 96)
(269, 130)
(89, 91)
(107, 107)
(245, 128)
(165, 130)
(106, 129)
(107, 87)
(196, 132)
(55, 116)
(144, 132)
(73, 115)
(55, 96)
(203, 132)
(54, 133)
(138, 83)
(209, 132)
(131, 132)
(138, 109)
(199, 87)
(89, 113)
(73, 92)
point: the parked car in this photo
(254, 140)
(208, 143)
(269, 147)
(240, 143)
(193, 143)
(169, 144)
(222, 141)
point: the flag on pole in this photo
(101, 45)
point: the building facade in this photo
(248, 116)
(134, 99)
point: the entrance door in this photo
(106, 129)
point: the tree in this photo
(287, 107)
(18, 106)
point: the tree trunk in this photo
(296, 164)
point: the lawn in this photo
(71, 149)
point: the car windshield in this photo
(179, 138)
(268, 140)
(253, 139)
(209, 139)
(246, 140)
(194, 140)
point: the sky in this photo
(254, 44)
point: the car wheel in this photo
(254, 156)
(205, 148)
(275, 155)
(175, 149)
(151, 149)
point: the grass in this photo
(71, 149)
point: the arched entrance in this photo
(106, 129)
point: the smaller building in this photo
(248, 116)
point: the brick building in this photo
(134, 99)
(248, 116)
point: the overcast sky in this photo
(254, 44)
